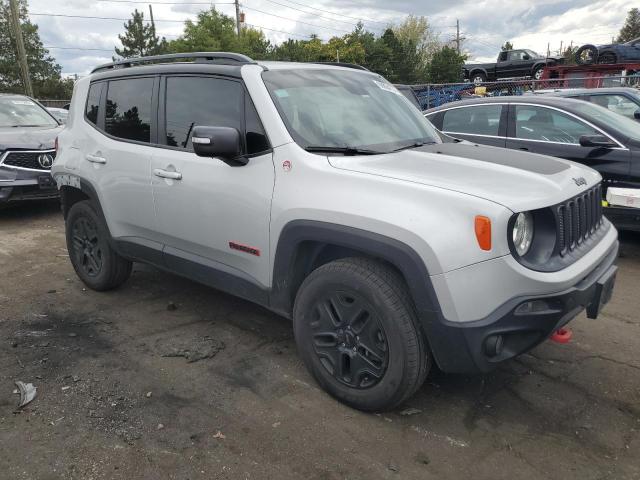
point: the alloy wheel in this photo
(86, 246)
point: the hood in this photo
(32, 138)
(517, 180)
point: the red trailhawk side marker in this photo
(244, 248)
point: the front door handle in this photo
(95, 159)
(524, 149)
(158, 172)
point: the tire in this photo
(94, 260)
(607, 57)
(537, 73)
(478, 77)
(357, 332)
(586, 55)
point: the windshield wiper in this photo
(412, 145)
(20, 126)
(343, 150)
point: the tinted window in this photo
(616, 103)
(481, 120)
(545, 124)
(256, 137)
(128, 112)
(200, 101)
(517, 55)
(93, 102)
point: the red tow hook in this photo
(562, 335)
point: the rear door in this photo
(483, 123)
(550, 131)
(116, 154)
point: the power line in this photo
(81, 48)
(294, 20)
(96, 18)
(167, 3)
(315, 14)
(337, 14)
(279, 31)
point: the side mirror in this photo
(223, 142)
(526, 57)
(596, 141)
(636, 114)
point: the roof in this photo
(547, 100)
(591, 91)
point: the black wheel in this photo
(92, 257)
(357, 332)
(478, 77)
(607, 57)
(586, 55)
(537, 73)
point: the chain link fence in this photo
(434, 95)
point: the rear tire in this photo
(607, 58)
(92, 256)
(357, 333)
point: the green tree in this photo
(446, 66)
(212, 31)
(140, 39)
(570, 55)
(406, 62)
(507, 46)
(43, 69)
(631, 28)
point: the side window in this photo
(545, 124)
(502, 57)
(480, 120)
(128, 109)
(616, 103)
(256, 137)
(516, 55)
(202, 101)
(93, 102)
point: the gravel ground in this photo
(167, 379)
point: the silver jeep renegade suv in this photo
(321, 193)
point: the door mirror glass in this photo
(526, 57)
(223, 142)
(596, 141)
(636, 114)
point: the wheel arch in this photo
(305, 245)
(477, 70)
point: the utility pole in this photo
(237, 16)
(22, 55)
(338, 55)
(560, 48)
(153, 24)
(458, 36)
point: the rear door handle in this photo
(95, 159)
(525, 149)
(158, 172)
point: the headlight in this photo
(523, 233)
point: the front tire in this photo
(478, 78)
(607, 58)
(537, 74)
(357, 333)
(93, 258)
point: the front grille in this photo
(578, 219)
(28, 159)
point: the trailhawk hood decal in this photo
(517, 180)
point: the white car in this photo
(389, 245)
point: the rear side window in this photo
(480, 120)
(93, 103)
(128, 109)
(200, 101)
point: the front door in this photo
(214, 215)
(483, 124)
(548, 131)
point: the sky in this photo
(485, 24)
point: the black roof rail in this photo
(224, 58)
(344, 64)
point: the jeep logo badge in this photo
(45, 160)
(580, 181)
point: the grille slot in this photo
(578, 219)
(27, 159)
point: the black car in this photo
(628, 52)
(510, 64)
(622, 100)
(560, 127)
(27, 136)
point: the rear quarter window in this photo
(92, 109)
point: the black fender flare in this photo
(401, 256)
(475, 70)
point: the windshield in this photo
(343, 109)
(618, 123)
(533, 54)
(23, 112)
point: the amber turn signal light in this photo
(483, 232)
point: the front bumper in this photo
(478, 346)
(21, 185)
